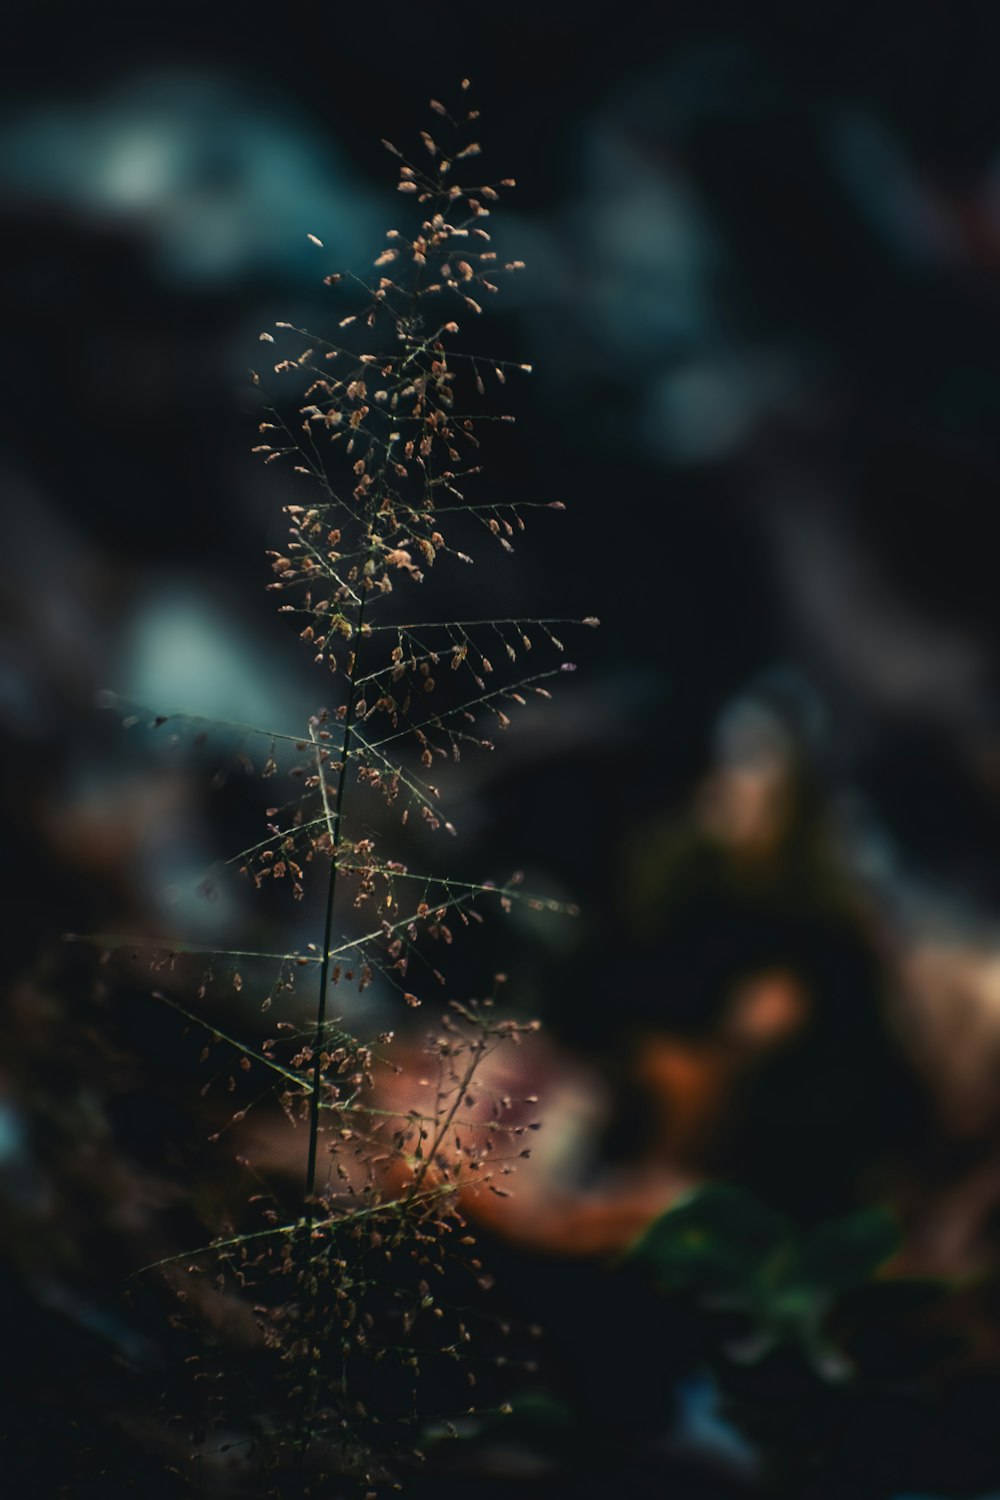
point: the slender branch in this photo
(331, 895)
(476, 1050)
(260, 1057)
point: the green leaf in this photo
(844, 1253)
(715, 1239)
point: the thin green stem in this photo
(331, 895)
(476, 1049)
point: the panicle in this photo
(379, 429)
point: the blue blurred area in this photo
(221, 184)
(184, 651)
(700, 1424)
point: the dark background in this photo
(762, 303)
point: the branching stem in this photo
(334, 815)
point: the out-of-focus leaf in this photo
(844, 1253)
(716, 1239)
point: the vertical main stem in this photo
(324, 972)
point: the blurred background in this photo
(762, 303)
